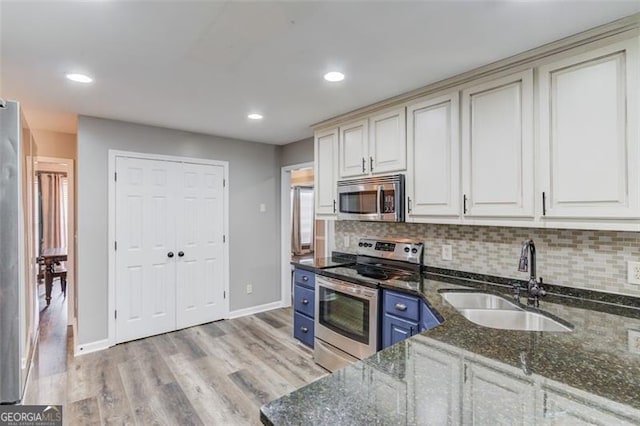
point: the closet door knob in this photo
(180, 253)
(170, 254)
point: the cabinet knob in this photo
(305, 278)
(305, 301)
(304, 329)
(401, 306)
(180, 254)
(170, 254)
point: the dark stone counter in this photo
(460, 372)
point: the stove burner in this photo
(372, 272)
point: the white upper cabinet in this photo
(588, 142)
(354, 149)
(375, 145)
(433, 173)
(325, 171)
(497, 147)
(388, 142)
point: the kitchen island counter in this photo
(460, 372)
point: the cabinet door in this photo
(354, 149)
(326, 171)
(484, 385)
(497, 147)
(437, 386)
(395, 330)
(560, 408)
(388, 142)
(433, 183)
(589, 134)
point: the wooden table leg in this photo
(48, 282)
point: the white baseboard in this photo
(87, 348)
(255, 309)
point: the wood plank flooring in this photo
(214, 374)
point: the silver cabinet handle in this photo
(370, 164)
(363, 164)
(409, 200)
(305, 301)
(304, 329)
(401, 306)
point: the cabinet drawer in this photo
(303, 328)
(427, 317)
(402, 305)
(303, 300)
(305, 278)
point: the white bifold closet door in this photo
(169, 256)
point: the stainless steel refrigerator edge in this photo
(12, 268)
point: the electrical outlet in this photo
(249, 289)
(633, 272)
(447, 252)
(345, 241)
(634, 341)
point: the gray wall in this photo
(254, 237)
(297, 152)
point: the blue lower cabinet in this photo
(396, 329)
(427, 317)
(403, 316)
(303, 300)
(303, 328)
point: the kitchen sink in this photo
(513, 320)
(493, 311)
(467, 300)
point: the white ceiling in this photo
(204, 65)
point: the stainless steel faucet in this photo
(535, 290)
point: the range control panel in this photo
(405, 250)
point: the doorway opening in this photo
(53, 236)
(303, 236)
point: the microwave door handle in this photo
(379, 199)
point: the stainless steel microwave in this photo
(379, 198)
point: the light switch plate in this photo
(447, 252)
(634, 341)
(249, 289)
(263, 207)
(633, 272)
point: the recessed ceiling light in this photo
(255, 116)
(334, 76)
(79, 78)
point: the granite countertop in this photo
(460, 372)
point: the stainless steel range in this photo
(347, 303)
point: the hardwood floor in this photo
(217, 373)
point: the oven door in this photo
(346, 316)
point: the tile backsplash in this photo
(594, 260)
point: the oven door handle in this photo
(353, 289)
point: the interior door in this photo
(145, 252)
(200, 255)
